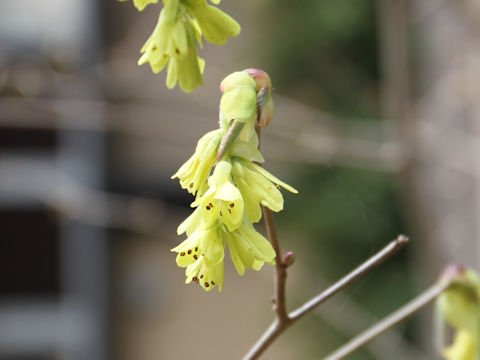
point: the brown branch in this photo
(282, 323)
(280, 269)
(392, 320)
(372, 262)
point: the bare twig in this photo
(280, 268)
(374, 261)
(392, 320)
(281, 323)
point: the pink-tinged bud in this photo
(452, 272)
(288, 258)
(261, 78)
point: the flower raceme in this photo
(459, 305)
(173, 43)
(230, 188)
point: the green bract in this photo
(228, 199)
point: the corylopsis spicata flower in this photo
(173, 42)
(181, 24)
(202, 254)
(229, 200)
(258, 187)
(222, 201)
(194, 173)
(459, 305)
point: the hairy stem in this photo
(392, 320)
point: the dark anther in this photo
(232, 205)
(182, 254)
(189, 252)
(195, 257)
(207, 284)
(213, 283)
(196, 248)
(208, 207)
(191, 185)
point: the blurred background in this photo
(376, 124)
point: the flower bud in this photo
(288, 258)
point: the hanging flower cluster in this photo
(459, 305)
(173, 43)
(228, 199)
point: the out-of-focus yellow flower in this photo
(181, 24)
(216, 26)
(459, 305)
(173, 42)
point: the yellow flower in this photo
(173, 42)
(216, 26)
(464, 347)
(142, 4)
(248, 248)
(222, 200)
(202, 254)
(258, 187)
(194, 173)
(460, 307)
(208, 276)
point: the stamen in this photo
(212, 282)
(278, 187)
(232, 205)
(195, 257)
(207, 284)
(191, 185)
(201, 276)
(208, 207)
(189, 252)
(196, 248)
(182, 253)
